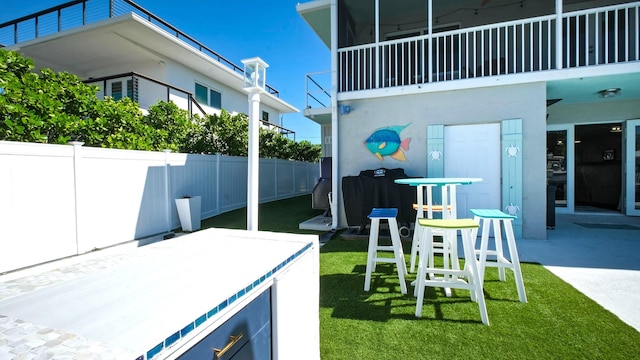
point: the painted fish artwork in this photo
(386, 142)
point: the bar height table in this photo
(449, 206)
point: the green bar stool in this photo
(415, 244)
(484, 218)
(453, 277)
(390, 215)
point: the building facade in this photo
(538, 98)
(128, 51)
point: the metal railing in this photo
(82, 12)
(591, 37)
(146, 91)
(318, 87)
(277, 128)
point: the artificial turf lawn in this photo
(558, 322)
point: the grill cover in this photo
(376, 188)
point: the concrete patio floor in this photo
(599, 258)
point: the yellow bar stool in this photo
(415, 245)
(485, 218)
(390, 215)
(445, 277)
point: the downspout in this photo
(334, 115)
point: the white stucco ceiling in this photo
(585, 89)
(94, 50)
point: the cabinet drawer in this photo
(253, 322)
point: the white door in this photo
(474, 151)
(633, 168)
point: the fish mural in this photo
(386, 142)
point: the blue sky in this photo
(272, 30)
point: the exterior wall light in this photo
(608, 93)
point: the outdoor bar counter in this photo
(177, 298)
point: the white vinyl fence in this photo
(63, 200)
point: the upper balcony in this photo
(129, 52)
(470, 39)
(84, 13)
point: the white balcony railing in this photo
(591, 37)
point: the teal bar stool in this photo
(450, 277)
(390, 215)
(485, 218)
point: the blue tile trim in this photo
(187, 329)
(156, 349)
(216, 309)
(200, 320)
(171, 339)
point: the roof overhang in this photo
(321, 116)
(115, 45)
(318, 15)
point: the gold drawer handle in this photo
(232, 341)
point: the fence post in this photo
(275, 182)
(295, 172)
(77, 160)
(217, 180)
(167, 188)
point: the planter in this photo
(189, 212)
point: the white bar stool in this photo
(484, 218)
(390, 215)
(429, 275)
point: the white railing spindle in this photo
(588, 37)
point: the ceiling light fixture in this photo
(611, 92)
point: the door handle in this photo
(232, 341)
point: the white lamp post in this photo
(254, 81)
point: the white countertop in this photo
(138, 303)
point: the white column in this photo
(379, 71)
(253, 161)
(430, 41)
(559, 52)
(334, 117)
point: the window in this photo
(201, 94)
(208, 96)
(116, 90)
(130, 90)
(265, 116)
(215, 99)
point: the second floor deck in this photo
(585, 38)
(78, 13)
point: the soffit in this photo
(122, 42)
(585, 89)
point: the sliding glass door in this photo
(560, 166)
(633, 168)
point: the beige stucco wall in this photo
(483, 105)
